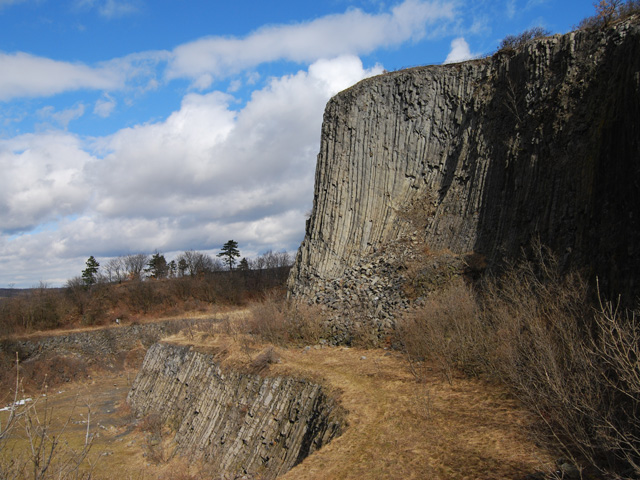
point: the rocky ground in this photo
(368, 297)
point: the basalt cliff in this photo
(247, 425)
(541, 142)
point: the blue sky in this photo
(130, 126)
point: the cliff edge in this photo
(483, 156)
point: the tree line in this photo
(133, 286)
(191, 263)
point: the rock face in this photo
(242, 423)
(484, 156)
(102, 343)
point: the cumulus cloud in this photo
(25, 75)
(207, 173)
(354, 32)
(459, 51)
(42, 180)
(208, 59)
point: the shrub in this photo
(573, 365)
(513, 42)
(570, 361)
(261, 363)
(609, 12)
(446, 330)
(280, 321)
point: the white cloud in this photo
(205, 174)
(25, 75)
(205, 60)
(111, 8)
(354, 32)
(63, 117)
(459, 51)
(41, 180)
(104, 106)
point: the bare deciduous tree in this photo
(195, 263)
(134, 265)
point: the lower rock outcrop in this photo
(241, 423)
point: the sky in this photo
(140, 126)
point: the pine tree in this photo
(182, 267)
(89, 274)
(157, 266)
(172, 267)
(230, 252)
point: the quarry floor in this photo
(399, 426)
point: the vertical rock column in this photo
(242, 423)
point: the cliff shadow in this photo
(565, 165)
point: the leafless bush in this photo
(539, 323)
(261, 363)
(153, 426)
(616, 345)
(574, 365)
(446, 330)
(53, 370)
(43, 453)
(513, 42)
(142, 297)
(39, 308)
(126, 413)
(152, 423)
(609, 12)
(281, 321)
(571, 361)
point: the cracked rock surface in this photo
(483, 156)
(244, 423)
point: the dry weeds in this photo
(399, 427)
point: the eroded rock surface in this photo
(240, 422)
(484, 156)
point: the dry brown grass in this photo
(406, 419)
(448, 331)
(62, 417)
(571, 361)
(120, 449)
(398, 427)
(283, 322)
